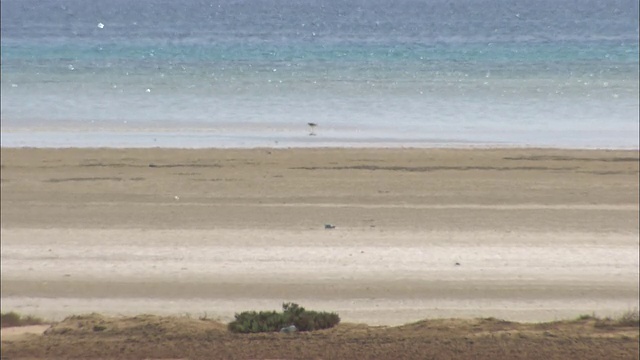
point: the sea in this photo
(367, 73)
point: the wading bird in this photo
(313, 128)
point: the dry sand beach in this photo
(525, 235)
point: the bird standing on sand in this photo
(313, 127)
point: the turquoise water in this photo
(245, 74)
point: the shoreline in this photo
(505, 147)
(299, 138)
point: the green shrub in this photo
(254, 322)
(292, 314)
(12, 319)
(587, 317)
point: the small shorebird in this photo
(313, 127)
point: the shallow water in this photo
(240, 74)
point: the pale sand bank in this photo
(538, 234)
(367, 276)
(17, 333)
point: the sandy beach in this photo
(520, 234)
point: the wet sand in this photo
(519, 234)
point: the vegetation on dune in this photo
(292, 314)
(94, 336)
(629, 318)
(13, 319)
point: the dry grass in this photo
(630, 318)
(147, 336)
